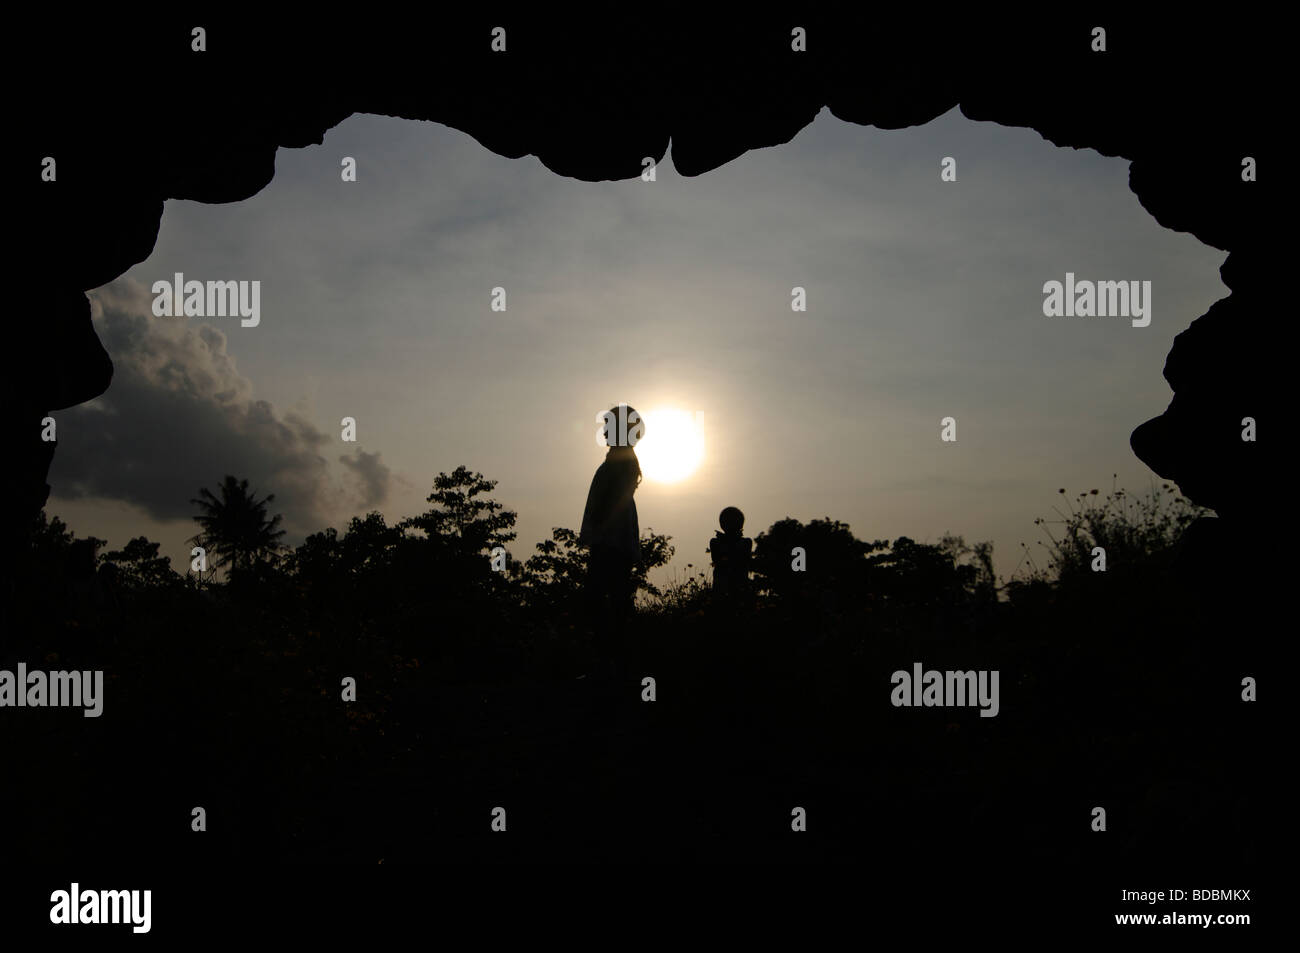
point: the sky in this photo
(924, 301)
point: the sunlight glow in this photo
(673, 446)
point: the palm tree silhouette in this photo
(235, 528)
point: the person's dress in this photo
(611, 532)
(609, 522)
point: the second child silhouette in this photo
(731, 551)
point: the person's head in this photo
(731, 520)
(622, 426)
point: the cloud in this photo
(371, 475)
(179, 416)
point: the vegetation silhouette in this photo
(477, 687)
(235, 528)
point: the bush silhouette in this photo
(1139, 534)
(471, 680)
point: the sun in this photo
(673, 446)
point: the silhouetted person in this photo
(731, 552)
(609, 523)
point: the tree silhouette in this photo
(949, 573)
(138, 566)
(836, 560)
(475, 525)
(235, 528)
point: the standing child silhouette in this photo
(731, 551)
(609, 523)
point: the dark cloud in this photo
(371, 476)
(179, 416)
